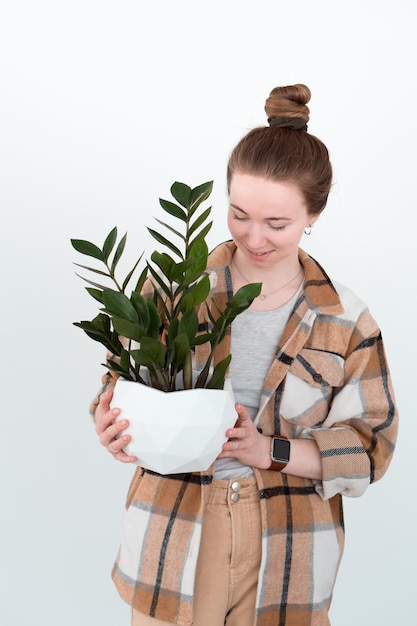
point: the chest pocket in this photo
(309, 386)
(318, 368)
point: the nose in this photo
(255, 237)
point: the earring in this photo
(307, 231)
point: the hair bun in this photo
(286, 105)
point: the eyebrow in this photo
(267, 219)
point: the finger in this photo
(104, 420)
(105, 399)
(230, 447)
(237, 433)
(114, 432)
(243, 413)
(124, 458)
(116, 445)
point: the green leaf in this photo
(159, 280)
(130, 274)
(97, 294)
(181, 193)
(182, 349)
(200, 339)
(159, 300)
(165, 242)
(188, 324)
(119, 305)
(154, 320)
(92, 269)
(90, 282)
(118, 369)
(219, 373)
(173, 329)
(177, 275)
(176, 232)
(173, 209)
(198, 250)
(150, 353)
(101, 335)
(119, 251)
(128, 329)
(203, 233)
(201, 193)
(193, 268)
(141, 308)
(198, 255)
(125, 360)
(199, 221)
(141, 280)
(87, 248)
(195, 295)
(164, 262)
(102, 322)
(109, 243)
(246, 293)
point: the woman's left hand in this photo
(246, 443)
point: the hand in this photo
(109, 431)
(246, 443)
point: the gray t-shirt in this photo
(255, 336)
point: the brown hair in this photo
(281, 153)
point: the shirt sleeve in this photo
(357, 439)
(108, 381)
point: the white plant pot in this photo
(177, 432)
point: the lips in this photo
(258, 255)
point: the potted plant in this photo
(151, 333)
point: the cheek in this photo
(288, 238)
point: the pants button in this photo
(234, 497)
(236, 486)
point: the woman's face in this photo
(266, 219)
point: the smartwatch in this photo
(280, 453)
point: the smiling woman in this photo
(266, 220)
(257, 539)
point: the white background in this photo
(103, 105)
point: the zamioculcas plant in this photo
(156, 327)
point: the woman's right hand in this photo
(109, 431)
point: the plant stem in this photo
(113, 277)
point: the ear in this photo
(312, 219)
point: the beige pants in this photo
(229, 558)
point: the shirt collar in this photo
(319, 291)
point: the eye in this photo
(277, 227)
(238, 217)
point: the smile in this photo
(259, 254)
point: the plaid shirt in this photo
(329, 381)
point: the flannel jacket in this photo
(329, 381)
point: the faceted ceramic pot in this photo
(177, 432)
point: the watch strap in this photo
(277, 466)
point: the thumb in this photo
(242, 412)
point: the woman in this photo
(258, 538)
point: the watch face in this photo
(280, 450)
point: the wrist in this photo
(279, 453)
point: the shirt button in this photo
(236, 486)
(234, 497)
